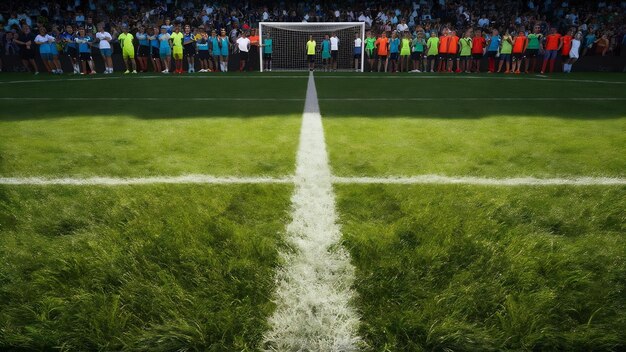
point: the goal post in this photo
(289, 43)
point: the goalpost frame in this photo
(305, 24)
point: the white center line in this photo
(313, 294)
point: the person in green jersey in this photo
(433, 50)
(466, 51)
(533, 48)
(310, 52)
(417, 51)
(128, 49)
(370, 51)
(506, 48)
(268, 49)
(326, 52)
(177, 48)
(405, 52)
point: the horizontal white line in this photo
(114, 181)
(146, 99)
(59, 80)
(444, 76)
(516, 181)
(421, 179)
(478, 99)
(320, 99)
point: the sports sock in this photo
(544, 65)
(552, 61)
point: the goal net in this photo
(289, 43)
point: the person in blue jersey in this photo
(214, 47)
(44, 49)
(165, 49)
(84, 51)
(268, 49)
(71, 47)
(53, 40)
(493, 49)
(394, 51)
(154, 48)
(143, 51)
(326, 53)
(202, 44)
(189, 48)
(224, 45)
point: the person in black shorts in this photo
(26, 42)
(189, 48)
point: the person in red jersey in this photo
(566, 46)
(553, 44)
(520, 42)
(444, 41)
(453, 51)
(478, 50)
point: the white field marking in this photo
(474, 77)
(146, 99)
(216, 76)
(114, 181)
(476, 99)
(313, 293)
(59, 80)
(543, 76)
(483, 181)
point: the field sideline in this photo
(398, 212)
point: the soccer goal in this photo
(289, 43)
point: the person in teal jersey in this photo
(326, 52)
(493, 46)
(214, 49)
(165, 49)
(417, 51)
(84, 51)
(144, 49)
(268, 49)
(394, 51)
(153, 38)
(202, 44)
(590, 38)
(223, 43)
(55, 34)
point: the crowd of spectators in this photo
(604, 20)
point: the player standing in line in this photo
(417, 51)
(358, 47)
(104, 44)
(71, 48)
(433, 51)
(255, 44)
(189, 49)
(519, 48)
(444, 43)
(310, 52)
(370, 52)
(25, 40)
(405, 52)
(505, 52)
(382, 50)
(533, 48)
(143, 50)
(553, 44)
(44, 49)
(54, 41)
(334, 51)
(202, 43)
(223, 44)
(326, 53)
(478, 50)
(574, 52)
(394, 51)
(466, 52)
(214, 47)
(566, 46)
(493, 46)
(84, 52)
(154, 48)
(243, 43)
(268, 49)
(453, 52)
(165, 49)
(128, 49)
(177, 49)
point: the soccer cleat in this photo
(126, 72)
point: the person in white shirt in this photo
(358, 47)
(243, 44)
(574, 53)
(44, 49)
(104, 44)
(402, 26)
(334, 51)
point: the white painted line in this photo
(319, 99)
(146, 99)
(313, 294)
(60, 80)
(113, 181)
(445, 76)
(476, 99)
(483, 181)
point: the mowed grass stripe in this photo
(160, 267)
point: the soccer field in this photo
(431, 212)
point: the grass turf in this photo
(488, 268)
(477, 138)
(140, 138)
(138, 268)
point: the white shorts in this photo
(573, 54)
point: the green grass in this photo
(140, 138)
(488, 268)
(155, 268)
(477, 138)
